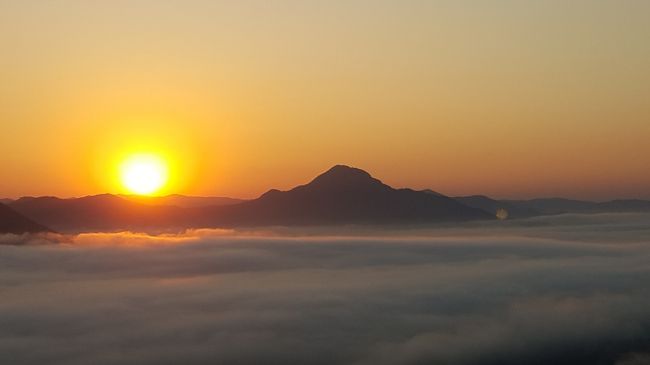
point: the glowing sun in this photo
(143, 174)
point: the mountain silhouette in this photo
(492, 206)
(182, 201)
(346, 195)
(432, 192)
(554, 206)
(342, 195)
(103, 212)
(549, 206)
(625, 205)
(13, 222)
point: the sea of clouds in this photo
(571, 289)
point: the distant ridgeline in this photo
(529, 208)
(341, 196)
(15, 223)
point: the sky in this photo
(511, 99)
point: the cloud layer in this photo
(562, 290)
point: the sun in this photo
(143, 174)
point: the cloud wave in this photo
(536, 292)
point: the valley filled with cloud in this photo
(569, 289)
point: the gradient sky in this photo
(506, 98)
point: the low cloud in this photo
(559, 290)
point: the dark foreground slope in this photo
(345, 195)
(13, 222)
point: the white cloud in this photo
(536, 291)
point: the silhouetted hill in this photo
(561, 205)
(13, 222)
(341, 195)
(346, 195)
(492, 206)
(555, 205)
(625, 205)
(182, 201)
(98, 212)
(432, 192)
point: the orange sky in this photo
(505, 98)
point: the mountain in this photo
(13, 222)
(548, 206)
(493, 206)
(432, 192)
(98, 213)
(555, 205)
(342, 195)
(182, 201)
(345, 195)
(625, 205)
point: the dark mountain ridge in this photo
(182, 201)
(347, 195)
(492, 206)
(97, 212)
(553, 206)
(341, 195)
(14, 222)
(562, 205)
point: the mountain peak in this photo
(345, 172)
(345, 169)
(344, 177)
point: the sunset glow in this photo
(144, 174)
(448, 97)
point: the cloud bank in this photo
(560, 290)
